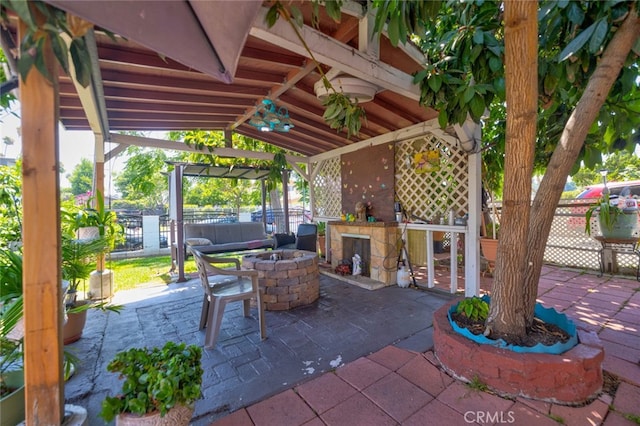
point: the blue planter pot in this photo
(548, 315)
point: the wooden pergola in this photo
(185, 65)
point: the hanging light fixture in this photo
(269, 118)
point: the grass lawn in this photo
(144, 271)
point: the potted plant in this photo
(617, 218)
(160, 385)
(103, 225)
(489, 241)
(78, 260)
(12, 409)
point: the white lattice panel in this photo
(326, 188)
(431, 194)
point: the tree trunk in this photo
(566, 153)
(507, 317)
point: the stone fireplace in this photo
(375, 242)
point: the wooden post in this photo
(98, 186)
(285, 200)
(44, 396)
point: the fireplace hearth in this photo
(375, 242)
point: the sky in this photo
(73, 147)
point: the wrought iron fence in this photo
(567, 245)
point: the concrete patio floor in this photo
(357, 357)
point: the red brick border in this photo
(571, 378)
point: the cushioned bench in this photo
(212, 238)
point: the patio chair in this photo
(222, 286)
(306, 239)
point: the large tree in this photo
(587, 103)
(142, 180)
(81, 177)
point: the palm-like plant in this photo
(79, 259)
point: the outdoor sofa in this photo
(210, 238)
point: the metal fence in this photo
(131, 224)
(567, 245)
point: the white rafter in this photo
(335, 54)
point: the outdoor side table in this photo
(618, 246)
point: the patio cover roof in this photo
(232, 172)
(189, 65)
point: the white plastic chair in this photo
(222, 286)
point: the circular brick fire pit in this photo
(291, 281)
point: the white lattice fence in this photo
(431, 194)
(326, 188)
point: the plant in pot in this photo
(104, 224)
(489, 241)
(618, 218)
(160, 385)
(12, 408)
(78, 260)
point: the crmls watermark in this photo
(488, 417)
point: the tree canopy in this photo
(81, 177)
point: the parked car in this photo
(593, 192)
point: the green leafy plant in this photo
(493, 230)
(477, 384)
(341, 112)
(473, 308)
(607, 213)
(322, 228)
(155, 380)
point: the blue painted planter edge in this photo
(549, 315)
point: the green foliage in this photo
(473, 308)
(81, 177)
(7, 98)
(10, 350)
(79, 259)
(11, 304)
(155, 380)
(322, 228)
(45, 26)
(477, 384)
(74, 217)
(341, 113)
(463, 74)
(10, 204)
(10, 274)
(492, 227)
(142, 180)
(620, 166)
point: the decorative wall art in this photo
(426, 161)
(368, 177)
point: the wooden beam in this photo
(92, 96)
(335, 54)
(44, 384)
(180, 146)
(425, 127)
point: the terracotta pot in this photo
(72, 330)
(177, 416)
(489, 248)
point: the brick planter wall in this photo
(571, 378)
(291, 281)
